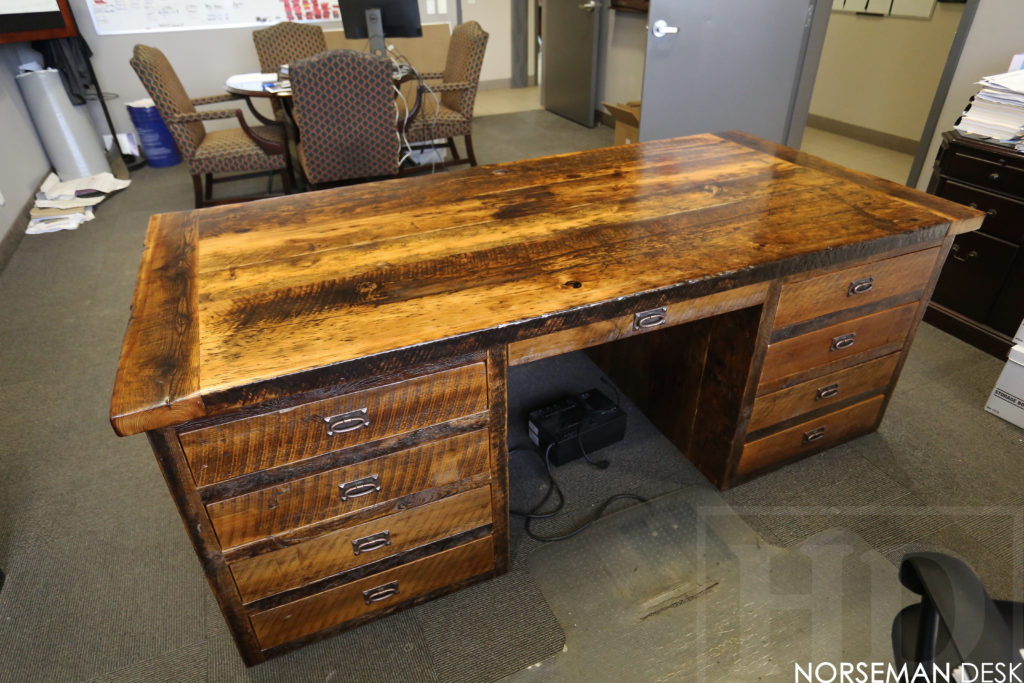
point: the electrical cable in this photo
(553, 487)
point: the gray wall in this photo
(25, 163)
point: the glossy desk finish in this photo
(756, 302)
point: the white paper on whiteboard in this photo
(442, 6)
(431, 6)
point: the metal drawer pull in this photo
(993, 176)
(814, 435)
(972, 254)
(862, 286)
(359, 487)
(992, 212)
(831, 391)
(380, 592)
(347, 422)
(651, 318)
(842, 342)
(368, 543)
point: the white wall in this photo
(882, 73)
(994, 37)
(25, 161)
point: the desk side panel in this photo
(157, 381)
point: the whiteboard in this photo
(141, 16)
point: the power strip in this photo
(590, 420)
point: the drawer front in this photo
(1004, 215)
(973, 274)
(824, 432)
(344, 549)
(852, 287)
(297, 503)
(778, 406)
(230, 450)
(564, 341)
(836, 342)
(987, 172)
(373, 593)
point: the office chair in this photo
(956, 621)
(286, 43)
(445, 110)
(251, 151)
(343, 103)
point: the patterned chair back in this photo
(465, 59)
(344, 107)
(286, 43)
(169, 96)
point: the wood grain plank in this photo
(324, 610)
(335, 552)
(270, 440)
(306, 500)
(158, 371)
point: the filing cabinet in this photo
(980, 294)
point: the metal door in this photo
(715, 65)
(570, 35)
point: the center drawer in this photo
(344, 549)
(336, 492)
(229, 450)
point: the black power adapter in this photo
(576, 426)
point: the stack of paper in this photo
(65, 206)
(997, 111)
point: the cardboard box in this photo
(1007, 399)
(627, 121)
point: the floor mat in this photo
(682, 589)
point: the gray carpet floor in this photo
(102, 583)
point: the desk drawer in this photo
(974, 274)
(236, 448)
(1004, 215)
(778, 406)
(297, 503)
(988, 172)
(811, 436)
(373, 593)
(852, 287)
(834, 343)
(344, 549)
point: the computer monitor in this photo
(379, 19)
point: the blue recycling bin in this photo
(155, 138)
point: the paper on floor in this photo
(43, 224)
(53, 188)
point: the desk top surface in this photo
(231, 300)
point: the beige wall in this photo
(26, 163)
(624, 56)
(994, 37)
(495, 16)
(882, 73)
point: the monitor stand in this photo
(375, 31)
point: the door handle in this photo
(589, 6)
(662, 29)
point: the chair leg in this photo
(286, 180)
(209, 186)
(197, 185)
(453, 148)
(469, 150)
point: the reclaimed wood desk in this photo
(323, 377)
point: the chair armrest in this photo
(203, 116)
(447, 87)
(268, 146)
(974, 624)
(214, 99)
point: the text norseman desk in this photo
(322, 376)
